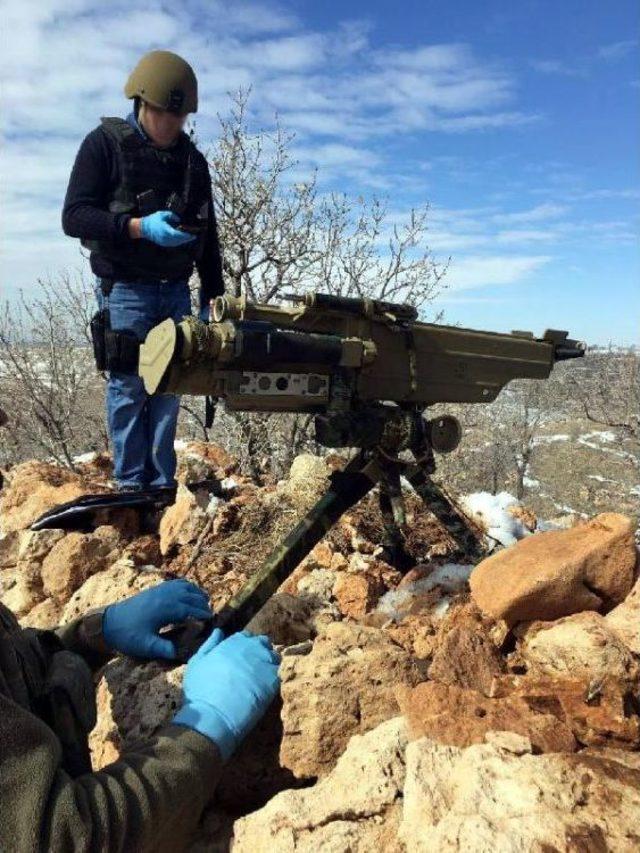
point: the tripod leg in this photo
(465, 533)
(393, 515)
(347, 488)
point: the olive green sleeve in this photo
(149, 800)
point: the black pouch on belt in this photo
(122, 351)
(99, 324)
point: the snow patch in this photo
(85, 458)
(550, 439)
(212, 506)
(450, 578)
(228, 484)
(492, 512)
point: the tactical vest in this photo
(152, 179)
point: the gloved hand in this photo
(158, 227)
(228, 686)
(131, 626)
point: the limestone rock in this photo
(287, 619)
(34, 488)
(47, 614)
(553, 574)
(36, 544)
(524, 514)
(202, 460)
(345, 686)
(496, 796)
(318, 583)
(599, 712)
(625, 619)
(308, 479)
(134, 700)
(182, 522)
(581, 645)
(73, 559)
(119, 581)
(354, 808)
(9, 548)
(465, 654)
(144, 550)
(458, 717)
(356, 594)
(24, 594)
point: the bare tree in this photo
(48, 376)
(608, 390)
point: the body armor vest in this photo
(154, 179)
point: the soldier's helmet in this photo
(165, 80)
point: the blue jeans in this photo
(142, 427)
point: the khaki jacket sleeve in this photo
(149, 800)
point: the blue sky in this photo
(517, 121)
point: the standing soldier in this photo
(139, 198)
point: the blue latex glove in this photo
(158, 227)
(131, 626)
(228, 686)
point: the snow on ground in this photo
(603, 435)
(85, 458)
(451, 577)
(531, 482)
(492, 511)
(550, 439)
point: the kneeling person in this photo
(152, 797)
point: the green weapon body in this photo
(367, 369)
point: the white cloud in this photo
(539, 213)
(617, 49)
(483, 271)
(558, 66)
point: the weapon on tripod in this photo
(367, 369)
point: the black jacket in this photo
(85, 215)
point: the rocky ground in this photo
(457, 707)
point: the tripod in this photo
(378, 464)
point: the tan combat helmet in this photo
(165, 80)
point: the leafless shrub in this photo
(48, 382)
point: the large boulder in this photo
(344, 686)
(458, 717)
(34, 488)
(356, 807)
(553, 574)
(499, 796)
